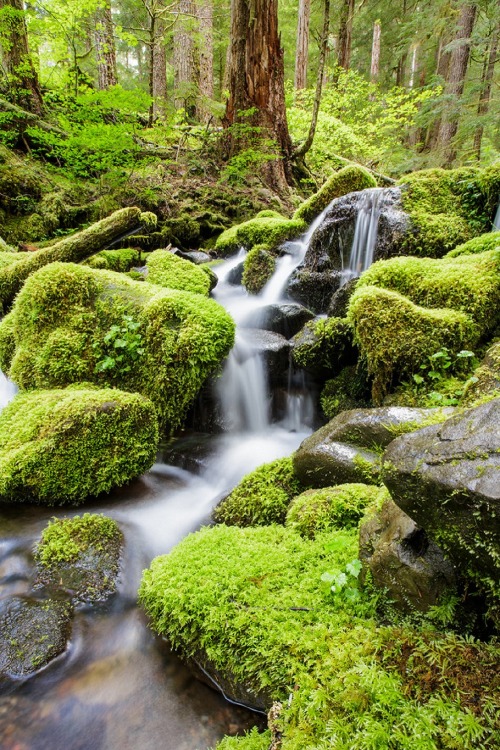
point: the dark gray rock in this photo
(274, 350)
(447, 478)
(195, 256)
(286, 318)
(314, 289)
(403, 560)
(340, 300)
(235, 276)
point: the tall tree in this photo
(345, 34)
(257, 86)
(184, 62)
(455, 80)
(105, 46)
(490, 60)
(375, 62)
(302, 49)
(206, 58)
(22, 79)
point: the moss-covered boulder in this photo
(324, 346)
(339, 507)
(347, 180)
(485, 381)
(62, 446)
(350, 389)
(263, 230)
(80, 555)
(168, 270)
(72, 324)
(121, 260)
(258, 267)
(481, 244)
(262, 497)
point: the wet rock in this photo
(274, 349)
(195, 256)
(403, 560)
(314, 289)
(447, 478)
(286, 318)
(235, 276)
(340, 300)
(32, 633)
(231, 688)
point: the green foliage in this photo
(168, 270)
(435, 371)
(262, 497)
(340, 507)
(343, 584)
(258, 268)
(263, 230)
(64, 539)
(121, 345)
(62, 446)
(252, 740)
(345, 181)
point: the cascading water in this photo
(365, 235)
(496, 220)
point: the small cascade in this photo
(8, 390)
(365, 234)
(299, 402)
(496, 220)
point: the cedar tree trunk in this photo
(22, 77)
(302, 44)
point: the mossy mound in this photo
(485, 382)
(468, 283)
(447, 208)
(80, 554)
(263, 230)
(74, 324)
(258, 268)
(249, 605)
(396, 336)
(340, 507)
(350, 389)
(62, 446)
(115, 260)
(325, 344)
(347, 180)
(481, 244)
(262, 497)
(168, 270)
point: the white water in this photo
(496, 220)
(365, 235)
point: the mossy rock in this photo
(325, 345)
(340, 507)
(81, 555)
(481, 244)
(263, 230)
(262, 497)
(350, 389)
(168, 270)
(63, 446)
(258, 267)
(121, 260)
(396, 336)
(73, 324)
(485, 381)
(347, 180)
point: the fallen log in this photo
(69, 250)
(24, 118)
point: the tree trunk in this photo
(23, 83)
(184, 57)
(459, 61)
(345, 34)
(375, 63)
(486, 83)
(105, 47)
(256, 85)
(159, 69)
(205, 20)
(302, 44)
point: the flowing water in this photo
(365, 234)
(496, 220)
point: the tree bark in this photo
(159, 69)
(24, 86)
(345, 34)
(486, 84)
(105, 47)
(375, 62)
(301, 55)
(205, 20)
(256, 85)
(459, 61)
(184, 57)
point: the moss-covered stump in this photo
(80, 555)
(258, 267)
(263, 230)
(262, 497)
(62, 446)
(339, 507)
(71, 249)
(347, 180)
(250, 604)
(122, 260)
(168, 270)
(32, 633)
(324, 346)
(448, 207)
(73, 324)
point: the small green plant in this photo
(344, 583)
(123, 345)
(436, 371)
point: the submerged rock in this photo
(274, 350)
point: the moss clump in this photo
(325, 344)
(262, 497)
(349, 390)
(481, 244)
(347, 180)
(72, 324)
(396, 336)
(115, 260)
(7, 342)
(486, 379)
(469, 284)
(446, 207)
(62, 446)
(64, 539)
(258, 268)
(340, 507)
(264, 230)
(168, 270)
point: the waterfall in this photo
(365, 234)
(496, 220)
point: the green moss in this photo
(64, 539)
(115, 260)
(349, 390)
(172, 272)
(347, 180)
(340, 507)
(325, 343)
(252, 740)
(7, 342)
(396, 336)
(62, 446)
(481, 244)
(65, 321)
(258, 268)
(262, 497)
(263, 230)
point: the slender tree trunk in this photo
(401, 69)
(301, 54)
(459, 61)
(184, 67)
(159, 69)
(23, 83)
(486, 84)
(442, 67)
(205, 20)
(375, 63)
(105, 47)
(345, 34)
(256, 84)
